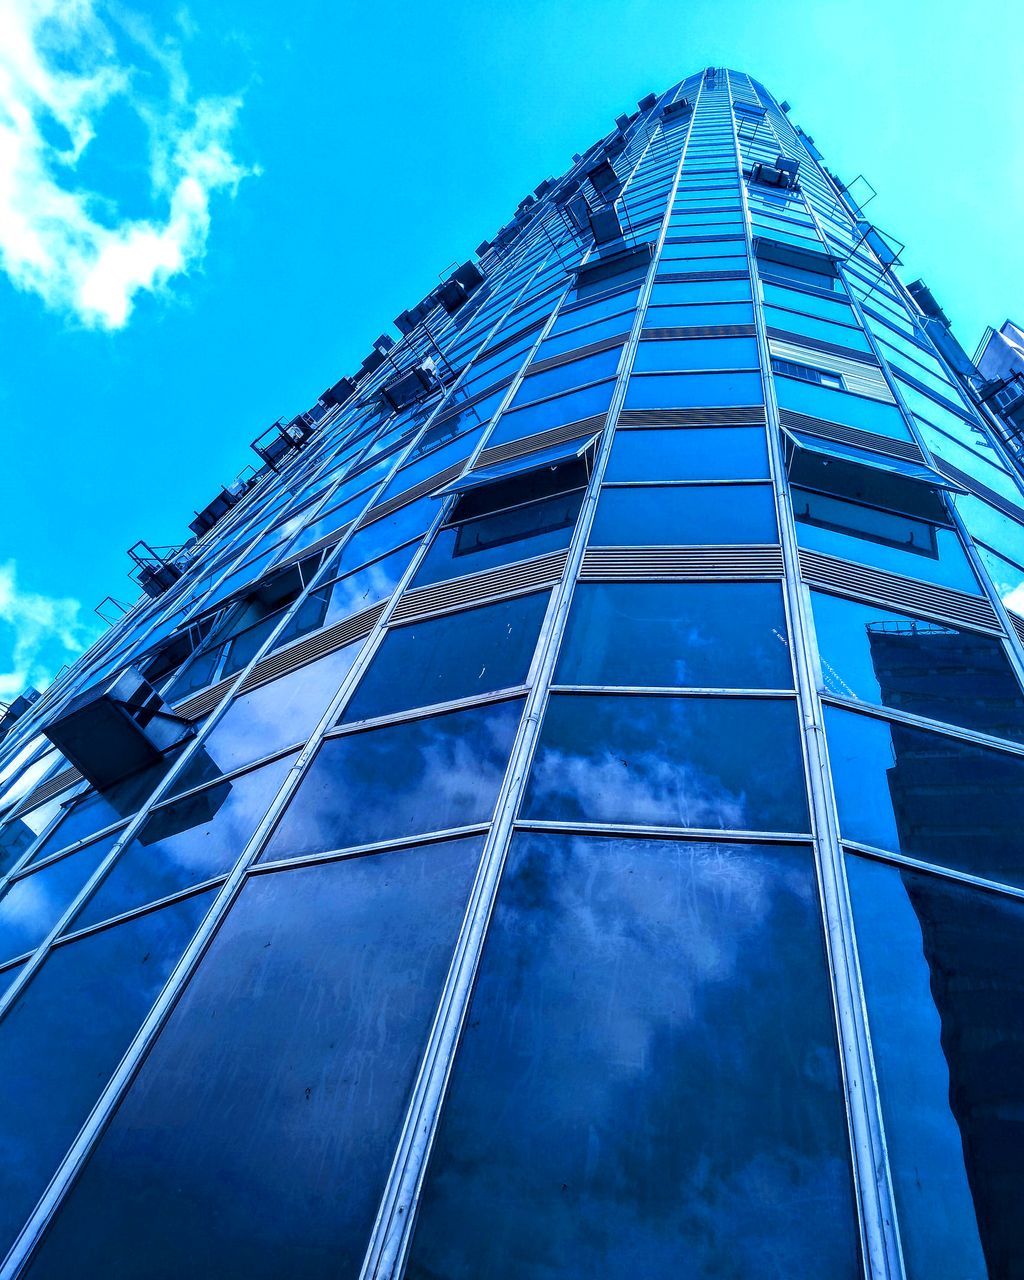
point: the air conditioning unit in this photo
(116, 728)
(676, 110)
(213, 511)
(605, 225)
(410, 386)
(342, 390)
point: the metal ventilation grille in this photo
(700, 331)
(1018, 626)
(980, 490)
(48, 789)
(860, 379)
(577, 353)
(420, 490)
(893, 591)
(693, 277)
(817, 344)
(739, 416)
(905, 449)
(509, 580)
(542, 440)
(613, 563)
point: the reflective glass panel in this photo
(700, 291)
(185, 843)
(424, 775)
(945, 993)
(290, 1057)
(696, 353)
(928, 795)
(691, 453)
(443, 659)
(32, 905)
(517, 533)
(675, 390)
(702, 635)
(564, 376)
(841, 407)
(927, 668)
(62, 1038)
(691, 514)
(722, 763)
(608, 1114)
(572, 407)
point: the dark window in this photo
(608, 1114)
(443, 659)
(61, 1040)
(290, 1058)
(680, 515)
(945, 994)
(701, 635)
(384, 784)
(695, 453)
(937, 798)
(721, 763)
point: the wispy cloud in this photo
(37, 634)
(62, 65)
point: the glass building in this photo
(561, 815)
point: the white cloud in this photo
(39, 633)
(61, 66)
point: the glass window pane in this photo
(443, 659)
(700, 291)
(927, 668)
(693, 453)
(572, 407)
(367, 587)
(931, 796)
(32, 905)
(841, 407)
(703, 314)
(837, 309)
(685, 635)
(945, 993)
(696, 353)
(302, 1032)
(721, 763)
(571, 339)
(608, 1114)
(62, 1039)
(564, 376)
(674, 390)
(666, 515)
(185, 843)
(517, 533)
(425, 775)
(899, 543)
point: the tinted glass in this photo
(699, 635)
(693, 453)
(185, 843)
(700, 291)
(671, 390)
(425, 775)
(838, 406)
(706, 313)
(564, 376)
(608, 1114)
(367, 587)
(443, 659)
(927, 668)
(572, 407)
(32, 905)
(517, 533)
(293, 1103)
(697, 353)
(899, 543)
(686, 514)
(722, 763)
(570, 340)
(928, 795)
(63, 1037)
(268, 718)
(945, 992)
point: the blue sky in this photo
(207, 213)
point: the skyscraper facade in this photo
(561, 815)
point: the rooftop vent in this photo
(116, 728)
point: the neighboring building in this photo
(1000, 361)
(561, 815)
